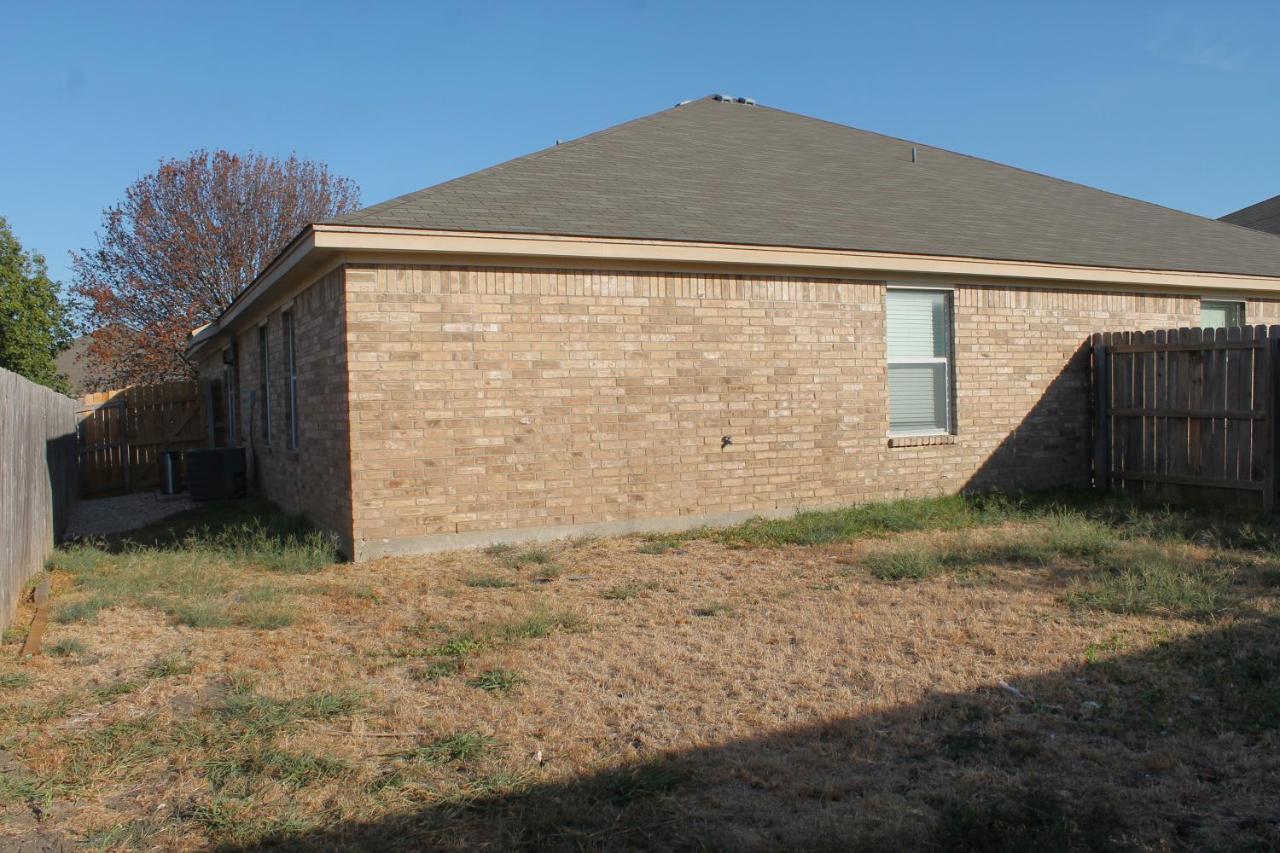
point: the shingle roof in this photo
(1263, 216)
(710, 171)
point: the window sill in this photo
(921, 440)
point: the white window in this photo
(291, 365)
(1217, 313)
(918, 326)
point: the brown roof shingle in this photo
(711, 171)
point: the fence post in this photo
(1101, 415)
(1270, 399)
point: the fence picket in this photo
(1189, 413)
(123, 432)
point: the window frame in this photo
(288, 325)
(231, 390)
(1239, 304)
(948, 360)
(264, 382)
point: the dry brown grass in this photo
(710, 695)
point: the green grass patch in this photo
(262, 607)
(914, 564)
(15, 680)
(168, 666)
(240, 822)
(80, 609)
(457, 646)
(250, 532)
(197, 613)
(625, 591)
(260, 715)
(659, 545)
(541, 624)
(500, 681)
(1058, 535)
(19, 788)
(536, 558)
(1149, 579)
(437, 670)
(489, 581)
(192, 588)
(111, 691)
(450, 749)
(68, 647)
(869, 520)
(183, 566)
(258, 761)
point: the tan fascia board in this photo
(328, 245)
(666, 253)
(300, 253)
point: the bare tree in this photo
(182, 244)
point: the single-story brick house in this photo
(713, 312)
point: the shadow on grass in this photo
(213, 523)
(1173, 747)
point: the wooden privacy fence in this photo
(122, 434)
(37, 480)
(1188, 414)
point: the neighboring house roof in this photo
(722, 172)
(1263, 216)
(73, 363)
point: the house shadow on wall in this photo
(1052, 445)
(1096, 756)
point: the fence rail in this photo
(37, 480)
(1188, 414)
(122, 433)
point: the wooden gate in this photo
(1188, 414)
(122, 433)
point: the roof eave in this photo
(300, 252)
(396, 241)
(321, 243)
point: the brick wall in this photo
(314, 479)
(487, 399)
(439, 403)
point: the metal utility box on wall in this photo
(216, 473)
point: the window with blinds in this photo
(1215, 314)
(918, 324)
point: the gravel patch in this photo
(105, 516)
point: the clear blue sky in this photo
(1176, 102)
